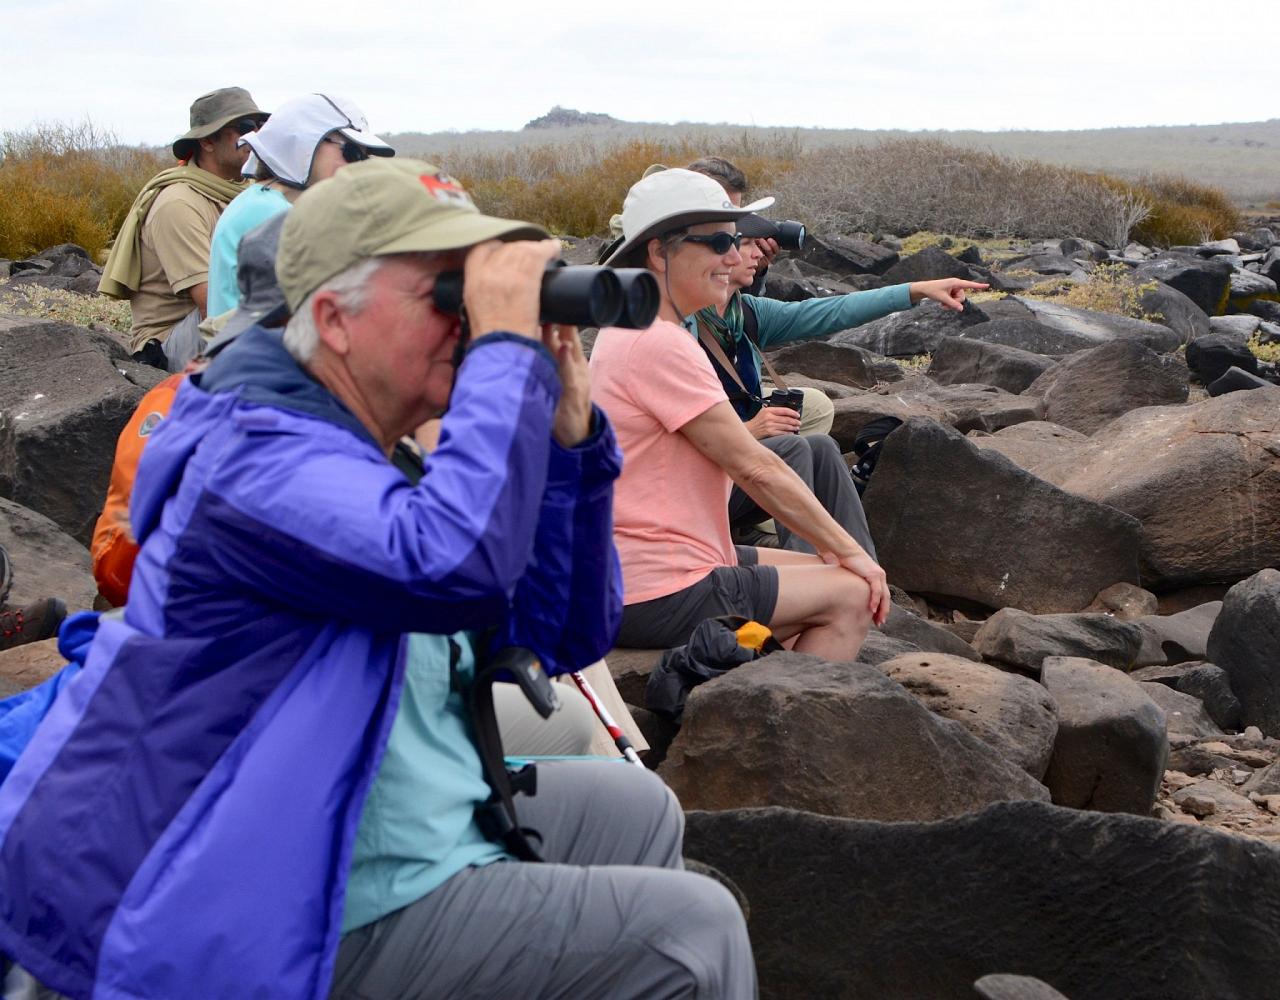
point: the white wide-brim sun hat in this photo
(673, 199)
(289, 146)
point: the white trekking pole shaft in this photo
(619, 737)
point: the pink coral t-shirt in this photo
(670, 505)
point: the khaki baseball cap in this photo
(378, 207)
(213, 111)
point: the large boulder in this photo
(844, 364)
(912, 331)
(927, 265)
(1204, 282)
(630, 669)
(1173, 309)
(1086, 390)
(64, 402)
(1247, 286)
(1212, 685)
(1245, 642)
(1112, 742)
(959, 360)
(47, 562)
(25, 666)
(1023, 640)
(1184, 636)
(1027, 334)
(965, 407)
(1087, 902)
(1203, 479)
(1184, 714)
(1012, 714)
(840, 739)
(1100, 327)
(848, 255)
(1031, 443)
(923, 634)
(954, 520)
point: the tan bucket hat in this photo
(378, 207)
(213, 111)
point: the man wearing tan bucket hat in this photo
(160, 260)
(288, 753)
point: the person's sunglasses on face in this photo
(352, 152)
(719, 243)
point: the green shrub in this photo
(67, 184)
(1264, 352)
(1110, 289)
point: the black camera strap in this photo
(497, 816)
(708, 339)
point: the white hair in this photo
(352, 289)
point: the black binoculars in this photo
(792, 399)
(790, 234)
(578, 295)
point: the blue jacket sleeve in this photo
(782, 322)
(568, 605)
(336, 529)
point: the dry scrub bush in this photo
(64, 183)
(1184, 212)
(906, 185)
(573, 190)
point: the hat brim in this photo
(457, 232)
(679, 220)
(184, 142)
(242, 319)
(375, 145)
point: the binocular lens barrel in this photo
(791, 235)
(582, 295)
(640, 298)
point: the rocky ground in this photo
(1059, 757)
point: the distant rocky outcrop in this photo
(559, 117)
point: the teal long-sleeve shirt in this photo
(780, 323)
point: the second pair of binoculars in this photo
(789, 234)
(578, 295)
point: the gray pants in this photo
(816, 459)
(613, 916)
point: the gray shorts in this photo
(748, 589)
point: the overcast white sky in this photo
(134, 66)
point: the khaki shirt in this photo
(175, 258)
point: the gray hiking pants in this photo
(614, 916)
(816, 459)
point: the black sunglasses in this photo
(245, 125)
(352, 152)
(720, 243)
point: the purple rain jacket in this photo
(182, 824)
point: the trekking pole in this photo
(619, 737)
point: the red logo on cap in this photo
(442, 187)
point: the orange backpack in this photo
(113, 547)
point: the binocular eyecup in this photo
(578, 295)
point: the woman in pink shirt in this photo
(684, 447)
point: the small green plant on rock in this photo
(67, 307)
(1110, 289)
(1264, 352)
